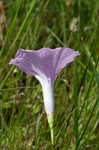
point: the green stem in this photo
(50, 118)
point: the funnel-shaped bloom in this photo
(45, 64)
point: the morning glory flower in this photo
(45, 64)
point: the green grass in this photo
(32, 25)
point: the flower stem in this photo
(50, 118)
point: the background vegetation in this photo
(33, 24)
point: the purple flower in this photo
(45, 64)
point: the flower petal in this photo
(63, 57)
(28, 61)
(47, 62)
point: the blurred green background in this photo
(33, 24)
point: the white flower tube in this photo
(48, 95)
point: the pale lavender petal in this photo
(63, 58)
(28, 61)
(46, 61)
(54, 60)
